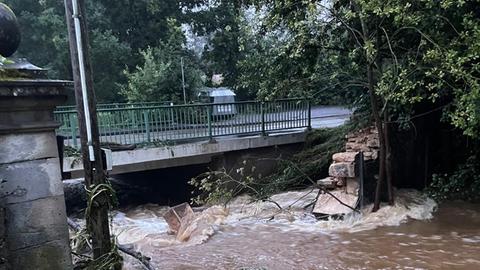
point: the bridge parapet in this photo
(151, 123)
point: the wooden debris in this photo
(177, 215)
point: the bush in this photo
(463, 184)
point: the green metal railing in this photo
(154, 123)
(101, 106)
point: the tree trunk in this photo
(381, 138)
(375, 112)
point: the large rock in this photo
(327, 205)
(127, 192)
(344, 157)
(370, 155)
(328, 183)
(357, 147)
(372, 141)
(342, 169)
(75, 194)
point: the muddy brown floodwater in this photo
(413, 234)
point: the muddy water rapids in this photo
(415, 233)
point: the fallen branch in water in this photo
(295, 166)
(123, 248)
(324, 189)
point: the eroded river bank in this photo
(414, 234)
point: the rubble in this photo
(343, 175)
(342, 170)
(328, 183)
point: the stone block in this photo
(372, 142)
(344, 157)
(327, 205)
(30, 180)
(352, 186)
(356, 147)
(370, 155)
(27, 146)
(342, 169)
(54, 255)
(36, 222)
(328, 183)
(340, 182)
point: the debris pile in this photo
(344, 176)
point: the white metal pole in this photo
(83, 82)
(183, 83)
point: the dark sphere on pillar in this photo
(9, 31)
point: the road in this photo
(329, 116)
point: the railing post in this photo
(209, 121)
(147, 124)
(262, 109)
(309, 114)
(73, 128)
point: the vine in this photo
(81, 241)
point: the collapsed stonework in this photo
(343, 172)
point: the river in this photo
(416, 233)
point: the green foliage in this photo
(219, 21)
(316, 157)
(4, 61)
(463, 184)
(109, 261)
(423, 52)
(69, 151)
(430, 56)
(118, 32)
(160, 77)
(109, 57)
(290, 52)
(221, 186)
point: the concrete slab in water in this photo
(327, 205)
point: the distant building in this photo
(218, 95)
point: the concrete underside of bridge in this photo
(201, 152)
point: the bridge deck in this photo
(200, 152)
(152, 129)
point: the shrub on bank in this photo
(462, 184)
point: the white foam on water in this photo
(144, 223)
(409, 204)
(285, 211)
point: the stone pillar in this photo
(30, 178)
